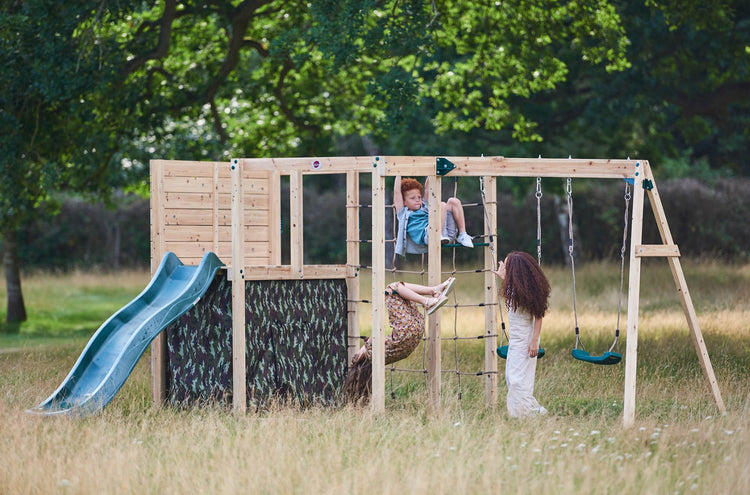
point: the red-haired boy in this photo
(412, 214)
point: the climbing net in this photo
(487, 240)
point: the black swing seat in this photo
(606, 358)
(502, 351)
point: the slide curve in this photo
(113, 351)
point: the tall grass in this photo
(679, 443)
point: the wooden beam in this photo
(377, 401)
(465, 166)
(657, 251)
(295, 221)
(490, 294)
(216, 212)
(239, 374)
(434, 363)
(159, 344)
(313, 165)
(274, 218)
(193, 169)
(634, 287)
(499, 166)
(352, 261)
(287, 272)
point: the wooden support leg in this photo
(695, 332)
(634, 288)
(377, 401)
(682, 288)
(433, 275)
(490, 295)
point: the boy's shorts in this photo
(450, 229)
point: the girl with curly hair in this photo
(407, 324)
(526, 292)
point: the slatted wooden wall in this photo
(191, 214)
(191, 208)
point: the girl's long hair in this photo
(525, 286)
(358, 380)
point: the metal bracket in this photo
(443, 166)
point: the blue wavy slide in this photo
(113, 351)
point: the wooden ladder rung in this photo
(657, 251)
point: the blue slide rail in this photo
(113, 351)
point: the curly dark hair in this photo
(408, 184)
(525, 286)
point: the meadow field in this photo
(679, 443)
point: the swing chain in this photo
(569, 190)
(627, 198)
(539, 220)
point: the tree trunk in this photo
(16, 306)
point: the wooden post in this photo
(239, 373)
(434, 365)
(215, 210)
(490, 294)
(274, 217)
(685, 299)
(634, 287)
(296, 229)
(377, 402)
(159, 344)
(352, 262)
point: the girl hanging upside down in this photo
(407, 324)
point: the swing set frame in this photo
(490, 168)
(233, 209)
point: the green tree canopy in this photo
(92, 91)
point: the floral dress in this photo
(407, 324)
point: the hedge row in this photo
(89, 235)
(707, 220)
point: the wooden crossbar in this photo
(657, 251)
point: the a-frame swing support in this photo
(644, 182)
(490, 167)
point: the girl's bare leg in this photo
(415, 292)
(411, 292)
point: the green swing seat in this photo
(502, 351)
(606, 358)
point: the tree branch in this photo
(277, 91)
(240, 18)
(162, 46)
(223, 138)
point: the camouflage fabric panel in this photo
(199, 346)
(296, 341)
